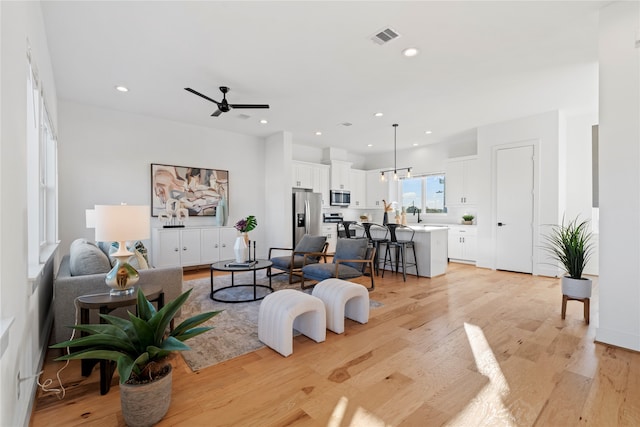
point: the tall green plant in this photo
(137, 344)
(570, 245)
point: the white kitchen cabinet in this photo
(358, 187)
(331, 233)
(191, 246)
(376, 190)
(461, 177)
(462, 244)
(321, 183)
(340, 173)
(302, 175)
(312, 176)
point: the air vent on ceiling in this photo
(244, 116)
(346, 124)
(385, 35)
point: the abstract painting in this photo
(187, 190)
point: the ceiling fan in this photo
(224, 106)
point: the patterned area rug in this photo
(235, 329)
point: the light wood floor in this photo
(473, 347)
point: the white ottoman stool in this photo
(343, 299)
(288, 309)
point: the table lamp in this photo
(121, 223)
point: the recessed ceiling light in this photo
(369, 145)
(264, 121)
(428, 132)
(318, 133)
(378, 114)
(410, 51)
(415, 144)
(122, 88)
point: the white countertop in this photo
(427, 228)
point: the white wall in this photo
(19, 298)
(424, 159)
(579, 197)
(619, 159)
(105, 158)
(278, 196)
(542, 130)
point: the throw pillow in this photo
(87, 258)
(137, 260)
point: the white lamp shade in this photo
(119, 223)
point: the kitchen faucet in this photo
(414, 211)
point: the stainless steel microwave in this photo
(340, 198)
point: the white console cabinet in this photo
(191, 246)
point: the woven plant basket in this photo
(143, 405)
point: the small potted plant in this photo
(467, 219)
(140, 345)
(570, 246)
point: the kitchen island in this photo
(431, 249)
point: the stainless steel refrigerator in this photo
(307, 214)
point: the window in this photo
(424, 194)
(42, 199)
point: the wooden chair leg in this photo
(587, 310)
(564, 306)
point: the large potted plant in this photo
(140, 345)
(570, 245)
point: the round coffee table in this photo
(260, 264)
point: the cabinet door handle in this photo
(216, 245)
(175, 249)
(224, 245)
(184, 248)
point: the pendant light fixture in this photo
(395, 155)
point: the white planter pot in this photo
(576, 288)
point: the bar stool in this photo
(373, 232)
(400, 249)
(347, 231)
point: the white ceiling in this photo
(315, 64)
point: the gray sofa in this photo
(67, 288)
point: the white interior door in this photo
(514, 210)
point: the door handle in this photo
(500, 224)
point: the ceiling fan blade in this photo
(216, 113)
(249, 105)
(200, 95)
